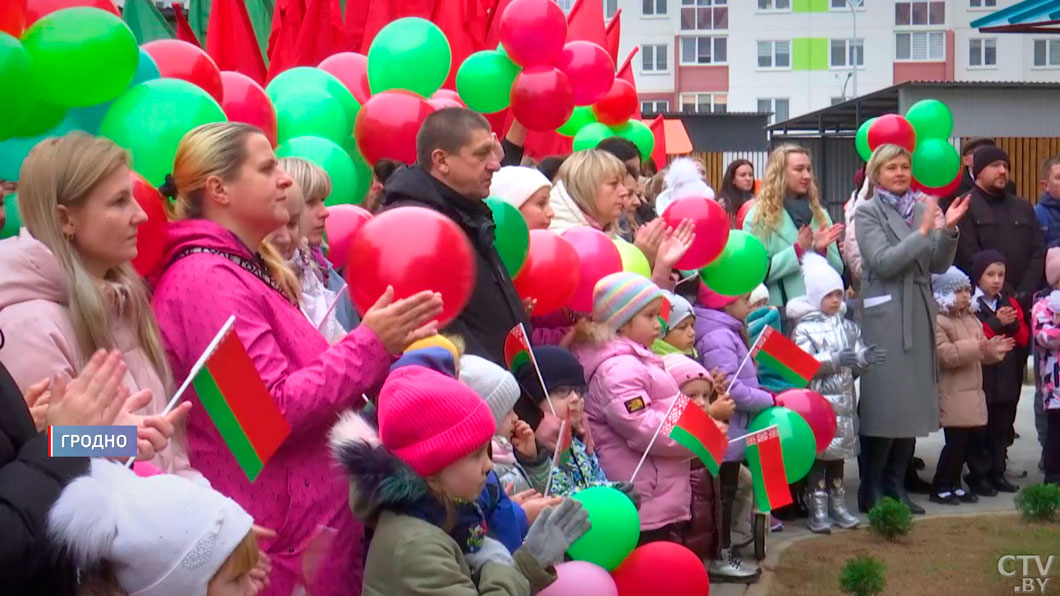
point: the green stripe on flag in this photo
(690, 442)
(519, 360)
(781, 369)
(227, 425)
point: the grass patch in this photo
(948, 555)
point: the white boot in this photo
(732, 568)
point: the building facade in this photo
(789, 57)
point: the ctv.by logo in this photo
(1033, 578)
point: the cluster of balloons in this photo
(925, 131)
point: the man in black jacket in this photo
(455, 161)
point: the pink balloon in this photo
(533, 32)
(245, 101)
(710, 224)
(590, 70)
(388, 123)
(599, 258)
(352, 69)
(542, 98)
(446, 98)
(341, 226)
(815, 410)
(579, 578)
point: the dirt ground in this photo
(948, 555)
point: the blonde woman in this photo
(230, 194)
(588, 192)
(67, 289)
(789, 221)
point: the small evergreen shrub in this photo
(1039, 503)
(890, 519)
(862, 576)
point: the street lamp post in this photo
(854, 5)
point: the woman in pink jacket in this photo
(629, 396)
(230, 194)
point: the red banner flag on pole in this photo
(585, 22)
(658, 153)
(184, 32)
(286, 22)
(625, 72)
(231, 42)
(613, 33)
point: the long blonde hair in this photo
(63, 171)
(220, 149)
(770, 205)
(582, 174)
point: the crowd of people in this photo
(417, 463)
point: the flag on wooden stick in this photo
(695, 430)
(785, 357)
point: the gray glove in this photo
(846, 358)
(627, 489)
(554, 531)
(872, 356)
(492, 551)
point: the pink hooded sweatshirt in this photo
(629, 395)
(300, 489)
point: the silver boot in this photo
(817, 519)
(732, 568)
(837, 510)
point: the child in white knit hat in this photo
(526, 189)
(157, 536)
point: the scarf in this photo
(798, 209)
(323, 265)
(905, 205)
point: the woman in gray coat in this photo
(903, 240)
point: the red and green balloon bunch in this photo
(925, 131)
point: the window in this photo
(1047, 52)
(654, 8)
(704, 50)
(566, 5)
(920, 45)
(846, 52)
(704, 103)
(777, 5)
(657, 106)
(610, 8)
(774, 54)
(982, 52)
(653, 58)
(777, 107)
(982, 3)
(919, 12)
(842, 4)
(704, 15)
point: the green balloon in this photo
(14, 150)
(150, 119)
(639, 134)
(633, 260)
(310, 112)
(582, 116)
(931, 119)
(300, 78)
(615, 528)
(484, 81)
(361, 169)
(796, 441)
(740, 267)
(42, 117)
(16, 103)
(333, 159)
(861, 140)
(13, 218)
(512, 238)
(935, 162)
(81, 56)
(590, 135)
(409, 53)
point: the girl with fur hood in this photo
(629, 395)
(822, 330)
(415, 472)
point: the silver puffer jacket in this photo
(824, 336)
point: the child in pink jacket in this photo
(629, 396)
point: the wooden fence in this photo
(1027, 155)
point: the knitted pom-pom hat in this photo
(618, 297)
(945, 286)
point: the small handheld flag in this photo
(562, 454)
(695, 430)
(769, 478)
(785, 357)
(518, 353)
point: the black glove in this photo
(846, 358)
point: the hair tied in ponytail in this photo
(168, 188)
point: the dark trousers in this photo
(988, 450)
(954, 455)
(669, 533)
(729, 479)
(1052, 447)
(825, 475)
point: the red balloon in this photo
(940, 191)
(590, 70)
(741, 214)
(387, 125)
(13, 17)
(815, 410)
(151, 235)
(36, 9)
(341, 226)
(550, 272)
(892, 129)
(533, 32)
(182, 60)
(639, 574)
(412, 249)
(246, 101)
(617, 105)
(542, 98)
(446, 98)
(711, 226)
(352, 69)
(599, 257)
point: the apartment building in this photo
(789, 57)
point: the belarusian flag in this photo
(766, 460)
(240, 405)
(562, 453)
(693, 428)
(517, 348)
(784, 357)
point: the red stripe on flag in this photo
(698, 424)
(774, 477)
(790, 354)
